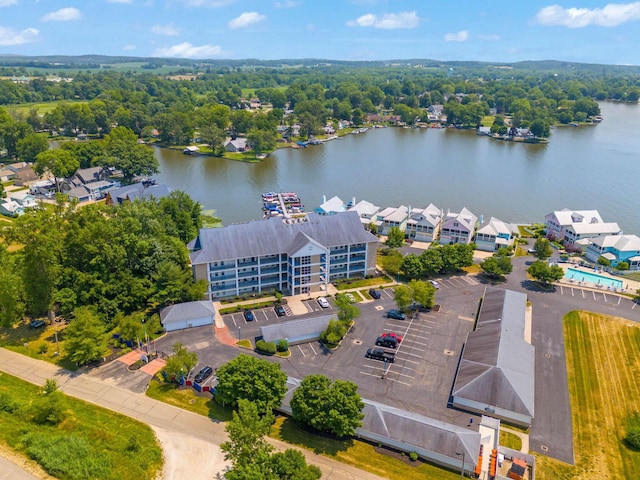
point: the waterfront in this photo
(590, 167)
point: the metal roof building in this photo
(296, 331)
(496, 372)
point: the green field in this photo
(22, 109)
(603, 366)
(90, 442)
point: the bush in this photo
(282, 346)
(49, 409)
(335, 331)
(43, 348)
(633, 437)
(266, 347)
(7, 403)
(413, 456)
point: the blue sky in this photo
(493, 30)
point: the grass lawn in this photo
(361, 283)
(510, 440)
(42, 107)
(352, 452)
(603, 366)
(90, 442)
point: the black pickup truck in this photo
(380, 354)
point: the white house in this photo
(392, 217)
(366, 211)
(458, 227)
(24, 198)
(237, 145)
(424, 224)
(331, 207)
(575, 225)
(495, 234)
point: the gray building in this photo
(187, 315)
(496, 372)
(291, 255)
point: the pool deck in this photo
(629, 286)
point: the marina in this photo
(279, 204)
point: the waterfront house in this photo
(88, 184)
(392, 217)
(24, 198)
(616, 249)
(293, 256)
(571, 226)
(366, 211)
(238, 145)
(331, 207)
(129, 193)
(495, 234)
(458, 227)
(424, 224)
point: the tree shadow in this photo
(320, 442)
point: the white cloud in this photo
(187, 50)
(387, 21)
(611, 15)
(461, 36)
(245, 19)
(62, 15)
(167, 30)
(6, 3)
(10, 37)
(129, 47)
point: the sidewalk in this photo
(190, 441)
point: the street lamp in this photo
(239, 328)
(462, 469)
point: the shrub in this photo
(43, 348)
(633, 437)
(413, 456)
(49, 409)
(335, 331)
(266, 347)
(7, 403)
(282, 345)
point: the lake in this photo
(587, 167)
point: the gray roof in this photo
(295, 328)
(155, 191)
(275, 235)
(187, 311)
(91, 174)
(138, 190)
(497, 364)
(79, 192)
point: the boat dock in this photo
(281, 204)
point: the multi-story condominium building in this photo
(616, 249)
(424, 224)
(572, 226)
(495, 234)
(293, 256)
(458, 227)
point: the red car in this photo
(392, 335)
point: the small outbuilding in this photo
(187, 315)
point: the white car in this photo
(435, 284)
(323, 302)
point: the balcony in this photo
(341, 251)
(270, 270)
(221, 278)
(358, 249)
(247, 263)
(269, 261)
(218, 268)
(251, 273)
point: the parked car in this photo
(392, 335)
(531, 251)
(323, 302)
(397, 314)
(380, 354)
(248, 315)
(36, 323)
(280, 311)
(388, 342)
(375, 294)
(203, 374)
(435, 284)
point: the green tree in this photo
(540, 128)
(395, 238)
(261, 140)
(334, 407)
(543, 273)
(253, 379)
(130, 326)
(85, 337)
(335, 331)
(347, 311)
(246, 430)
(212, 136)
(403, 296)
(497, 266)
(175, 284)
(542, 248)
(180, 363)
(127, 155)
(423, 293)
(432, 261)
(30, 146)
(12, 306)
(291, 465)
(391, 262)
(58, 163)
(412, 267)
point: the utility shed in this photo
(496, 372)
(187, 315)
(296, 331)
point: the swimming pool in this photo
(586, 277)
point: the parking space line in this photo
(634, 305)
(398, 381)
(413, 355)
(234, 321)
(421, 337)
(264, 312)
(582, 293)
(411, 361)
(312, 349)
(619, 299)
(414, 348)
(420, 343)
(371, 374)
(605, 297)
(572, 292)
(299, 348)
(594, 295)
(561, 290)
(401, 374)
